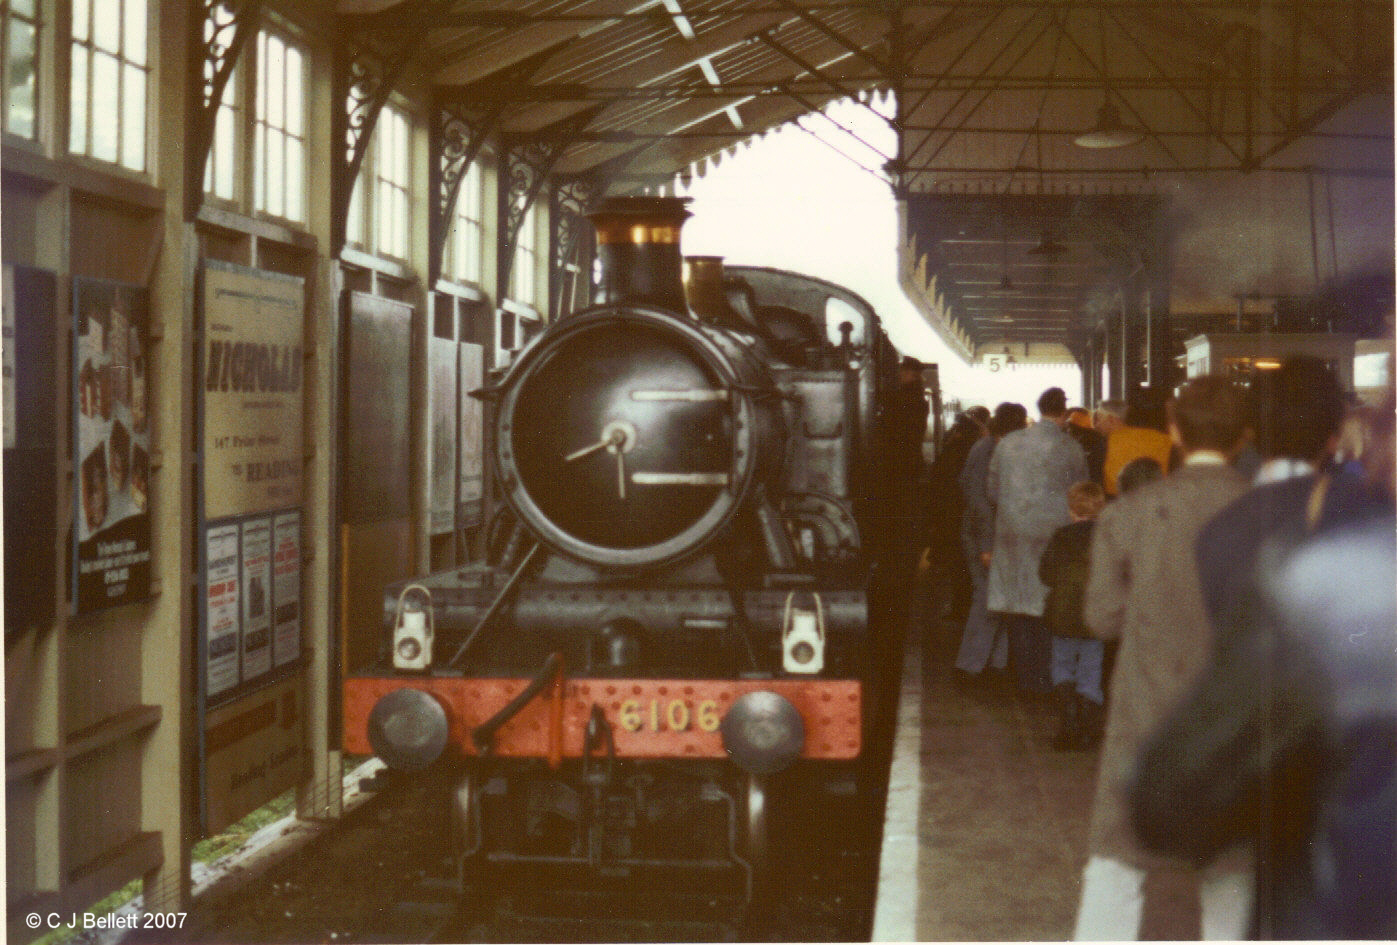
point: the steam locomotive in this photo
(677, 610)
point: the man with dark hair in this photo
(904, 422)
(1307, 407)
(1029, 475)
(1143, 590)
(1287, 742)
(1302, 407)
(1052, 402)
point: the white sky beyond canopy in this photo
(811, 198)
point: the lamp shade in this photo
(1109, 131)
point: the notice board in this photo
(443, 393)
(376, 525)
(252, 459)
(111, 445)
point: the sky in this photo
(809, 198)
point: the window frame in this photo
(239, 149)
(472, 184)
(257, 126)
(41, 27)
(393, 119)
(365, 211)
(68, 63)
(525, 252)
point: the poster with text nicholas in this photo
(253, 396)
(252, 405)
(111, 445)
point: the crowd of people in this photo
(1205, 591)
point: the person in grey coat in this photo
(1143, 590)
(983, 642)
(1027, 484)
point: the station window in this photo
(279, 142)
(354, 222)
(521, 277)
(468, 229)
(391, 181)
(19, 33)
(110, 79)
(221, 172)
(380, 207)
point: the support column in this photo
(1084, 358)
(320, 795)
(1165, 374)
(1132, 341)
(1113, 337)
(169, 774)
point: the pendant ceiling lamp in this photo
(1109, 131)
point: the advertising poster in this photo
(222, 603)
(286, 588)
(252, 391)
(31, 421)
(471, 487)
(442, 475)
(254, 752)
(377, 446)
(111, 431)
(257, 603)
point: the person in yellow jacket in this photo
(1124, 443)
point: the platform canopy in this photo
(1061, 111)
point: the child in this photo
(1077, 657)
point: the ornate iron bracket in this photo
(456, 141)
(463, 119)
(526, 161)
(216, 41)
(570, 239)
(370, 60)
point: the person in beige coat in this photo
(1143, 590)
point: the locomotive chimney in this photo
(638, 248)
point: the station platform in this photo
(985, 833)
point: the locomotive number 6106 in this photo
(674, 716)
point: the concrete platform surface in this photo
(985, 837)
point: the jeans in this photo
(984, 641)
(1077, 660)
